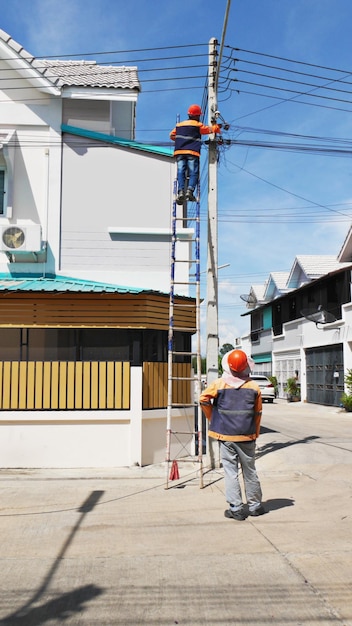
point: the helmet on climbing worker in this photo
(195, 110)
(237, 361)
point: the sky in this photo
(285, 88)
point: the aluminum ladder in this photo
(184, 445)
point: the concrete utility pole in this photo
(212, 253)
(212, 325)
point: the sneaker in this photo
(238, 515)
(259, 511)
(190, 196)
(180, 198)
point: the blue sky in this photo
(273, 203)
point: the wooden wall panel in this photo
(82, 310)
(64, 385)
(155, 385)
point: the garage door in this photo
(325, 375)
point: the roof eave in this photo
(101, 93)
(23, 64)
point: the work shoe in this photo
(238, 515)
(259, 511)
(180, 198)
(190, 196)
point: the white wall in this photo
(68, 439)
(36, 117)
(116, 213)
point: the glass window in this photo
(2, 192)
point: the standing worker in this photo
(233, 404)
(187, 138)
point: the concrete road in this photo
(113, 547)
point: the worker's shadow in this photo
(67, 603)
(278, 503)
(279, 445)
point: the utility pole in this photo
(212, 252)
(212, 324)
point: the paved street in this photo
(99, 547)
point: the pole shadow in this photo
(67, 603)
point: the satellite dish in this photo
(318, 316)
(248, 297)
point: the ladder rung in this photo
(184, 432)
(176, 282)
(179, 353)
(176, 405)
(187, 219)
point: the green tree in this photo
(203, 364)
(226, 347)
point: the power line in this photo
(311, 202)
(272, 56)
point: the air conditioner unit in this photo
(16, 238)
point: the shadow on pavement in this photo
(67, 603)
(278, 503)
(273, 446)
(60, 608)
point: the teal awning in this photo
(117, 141)
(262, 358)
(61, 284)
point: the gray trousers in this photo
(235, 454)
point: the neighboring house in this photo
(85, 246)
(285, 342)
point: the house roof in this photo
(258, 292)
(318, 265)
(337, 270)
(345, 253)
(68, 73)
(89, 74)
(280, 279)
(309, 267)
(276, 284)
(61, 284)
(305, 269)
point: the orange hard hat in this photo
(237, 360)
(195, 109)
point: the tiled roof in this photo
(280, 279)
(79, 73)
(258, 291)
(61, 284)
(88, 74)
(315, 266)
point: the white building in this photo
(302, 326)
(84, 267)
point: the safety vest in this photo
(188, 138)
(234, 413)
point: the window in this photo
(89, 114)
(2, 191)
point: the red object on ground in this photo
(174, 474)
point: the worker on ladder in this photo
(187, 138)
